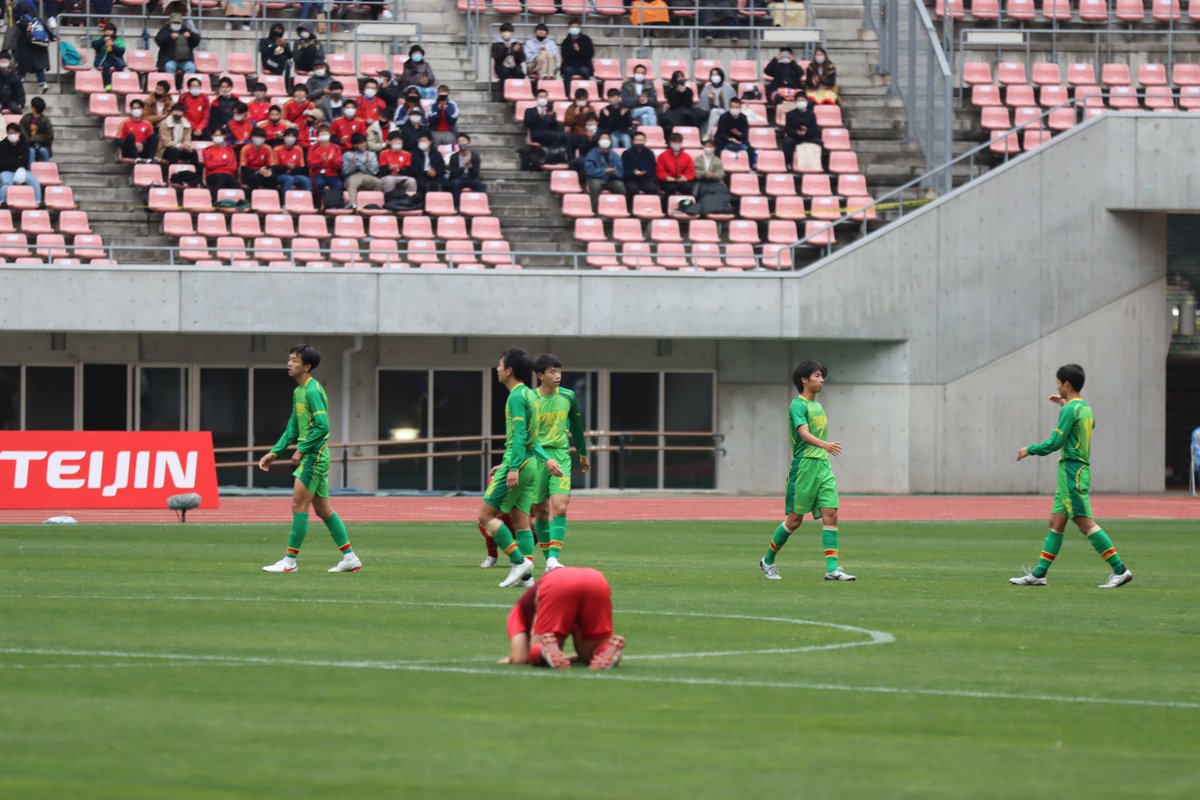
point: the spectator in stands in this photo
(295, 109)
(274, 54)
(414, 128)
(463, 169)
(733, 131)
(639, 96)
(708, 167)
(158, 104)
(443, 118)
(785, 76)
(681, 105)
(220, 165)
(415, 67)
(223, 106)
(410, 106)
(12, 91)
(318, 82)
(239, 9)
(325, 165)
(799, 127)
(359, 168)
(257, 161)
(541, 54)
(508, 59)
(714, 99)
(308, 52)
(177, 42)
(290, 169)
(347, 126)
(676, 171)
(604, 170)
(375, 8)
(577, 53)
(719, 14)
(259, 105)
(545, 129)
(32, 56)
(136, 138)
(820, 79)
(640, 170)
(615, 120)
(240, 127)
(175, 140)
(197, 108)
(424, 88)
(577, 113)
(427, 166)
(331, 106)
(390, 91)
(110, 53)
(376, 133)
(275, 126)
(371, 107)
(394, 163)
(38, 131)
(14, 164)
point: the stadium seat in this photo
(1047, 73)
(601, 254)
(14, 245)
(385, 226)
(89, 81)
(269, 248)
(974, 73)
(754, 208)
(305, 250)
(1081, 74)
(371, 64)
(762, 139)
(771, 161)
(485, 228)
(836, 139)
(1062, 119)
(103, 104)
(1189, 98)
(1130, 10)
(1186, 74)
(193, 248)
(576, 206)
(954, 8)
(144, 175)
(207, 62)
(995, 119)
(495, 251)
(627, 229)
(247, 226)
(345, 251)
(743, 231)
(590, 230)
(439, 203)
(706, 256)
(783, 185)
(782, 231)
(1165, 10)
(1033, 138)
(703, 231)
(1009, 73)
(51, 246)
(422, 252)
(985, 95)
(817, 233)
(637, 255)
(418, 227)
(126, 83)
(461, 253)
(197, 200)
(1123, 98)
(672, 255)
(743, 184)
(1052, 95)
(1019, 95)
(1028, 116)
(843, 163)
(851, 184)
(350, 226)
(74, 222)
(860, 208)
(88, 246)
(555, 89)
(613, 206)
(111, 126)
(1002, 143)
(59, 197)
(740, 256)
(1159, 98)
(6, 221)
(312, 226)
(825, 208)
(265, 201)
(385, 252)
(606, 69)
(179, 223)
(815, 185)
(1093, 10)
(474, 204)
(20, 197)
(735, 162)
(1059, 10)
(212, 225)
(34, 222)
(565, 182)
(790, 208)
(647, 206)
(665, 230)
(299, 202)
(1115, 74)
(1152, 75)
(453, 227)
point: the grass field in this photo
(159, 662)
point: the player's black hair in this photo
(520, 363)
(309, 356)
(545, 361)
(1072, 374)
(805, 369)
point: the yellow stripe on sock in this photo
(1109, 553)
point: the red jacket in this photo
(290, 158)
(140, 129)
(259, 110)
(671, 165)
(197, 111)
(293, 111)
(220, 160)
(370, 110)
(257, 157)
(239, 132)
(342, 129)
(325, 159)
(395, 161)
(276, 130)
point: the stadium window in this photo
(403, 405)
(224, 410)
(105, 397)
(688, 406)
(586, 386)
(50, 398)
(161, 398)
(457, 411)
(273, 389)
(634, 406)
(10, 398)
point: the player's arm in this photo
(518, 649)
(290, 435)
(575, 418)
(514, 453)
(318, 431)
(833, 448)
(1066, 421)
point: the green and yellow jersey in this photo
(521, 429)
(1073, 434)
(560, 422)
(810, 413)
(308, 427)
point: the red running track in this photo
(643, 507)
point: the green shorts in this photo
(552, 484)
(522, 495)
(313, 472)
(1074, 487)
(811, 487)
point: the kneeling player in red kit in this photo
(569, 601)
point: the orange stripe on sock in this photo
(508, 550)
(293, 551)
(831, 553)
(773, 546)
(1047, 556)
(556, 543)
(345, 547)
(1109, 553)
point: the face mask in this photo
(616, 101)
(239, 117)
(463, 146)
(605, 144)
(414, 119)
(159, 92)
(442, 98)
(819, 59)
(506, 36)
(541, 37)
(708, 151)
(735, 112)
(194, 91)
(581, 103)
(177, 117)
(323, 138)
(715, 80)
(135, 112)
(258, 141)
(542, 102)
(591, 129)
(305, 34)
(5, 64)
(423, 146)
(175, 26)
(289, 140)
(802, 106)
(785, 59)
(639, 76)
(348, 113)
(218, 140)
(260, 98)
(573, 31)
(336, 97)
(320, 73)
(639, 146)
(370, 94)
(676, 148)
(397, 146)
(417, 58)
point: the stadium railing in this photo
(265, 14)
(1047, 42)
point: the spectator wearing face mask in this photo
(576, 113)
(136, 138)
(110, 53)
(394, 163)
(390, 92)
(413, 129)
(681, 105)
(640, 169)
(220, 165)
(415, 67)
(307, 51)
(508, 59)
(223, 105)
(427, 167)
(295, 108)
(175, 140)
(332, 105)
(360, 168)
(785, 76)
(604, 170)
(820, 79)
(638, 95)
(443, 118)
(463, 169)
(616, 121)
(291, 171)
(259, 104)
(239, 129)
(12, 91)
(177, 42)
(157, 105)
(733, 132)
(577, 53)
(675, 170)
(14, 164)
(348, 125)
(371, 107)
(708, 166)
(325, 165)
(714, 99)
(541, 54)
(38, 131)
(545, 129)
(799, 127)
(410, 104)
(275, 126)
(257, 162)
(319, 83)
(197, 108)
(275, 55)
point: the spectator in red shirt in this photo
(275, 126)
(259, 105)
(347, 125)
(238, 129)
(197, 108)
(371, 107)
(257, 161)
(220, 165)
(675, 169)
(394, 162)
(136, 137)
(325, 164)
(295, 108)
(443, 118)
(290, 165)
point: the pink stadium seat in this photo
(763, 139)
(782, 231)
(1189, 98)
(790, 208)
(385, 252)
(627, 230)
(6, 221)
(707, 256)
(313, 226)
(1186, 74)
(420, 227)
(825, 208)
(606, 69)
(281, 226)
(74, 222)
(345, 251)
(125, 83)
(1194, 11)
(741, 71)
(384, 226)
(771, 161)
(860, 208)
(269, 248)
(46, 173)
(1047, 73)
(780, 185)
(995, 119)
(89, 246)
(1051, 96)
(985, 9)
(144, 175)
(843, 162)
(974, 72)
(495, 251)
(1019, 95)
(439, 203)
(52, 245)
(349, 227)
(193, 248)
(1123, 98)
(89, 81)
(1093, 11)
(103, 104)
(1028, 116)
(985, 95)
(743, 231)
(703, 231)
(14, 245)
(754, 208)
(1130, 10)
(740, 256)
(556, 90)
(633, 63)
(59, 198)
(371, 64)
(1165, 10)
(954, 8)
(179, 223)
(1009, 73)
(1002, 143)
(1031, 139)
(746, 10)
(454, 227)
(518, 89)
(814, 185)
(161, 199)
(422, 252)
(21, 198)
(1056, 10)
(111, 126)
(601, 254)
(1115, 75)
(1081, 74)
(836, 139)
(212, 224)
(299, 202)
(817, 233)
(206, 62)
(474, 204)
(197, 200)
(590, 230)
(485, 228)
(613, 206)
(669, 66)
(565, 182)
(35, 221)
(672, 255)
(743, 184)
(647, 206)
(245, 225)
(665, 230)
(851, 185)
(1152, 75)
(735, 162)
(305, 249)
(265, 201)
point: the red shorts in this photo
(574, 600)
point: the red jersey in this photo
(395, 161)
(258, 110)
(196, 110)
(220, 160)
(239, 132)
(371, 110)
(574, 600)
(254, 157)
(139, 128)
(275, 130)
(291, 158)
(325, 159)
(342, 129)
(293, 111)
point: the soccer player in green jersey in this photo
(558, 416)
(811, 485)
(1073, 436)
(515, 480)
(308, 429)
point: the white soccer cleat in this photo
(282, 565)
(525, 583)
(1028, 580)
(1116, 581)
(839, 575)
(490, 561)
(349, 563)
(518, 573)
(770, 571)
(552, 564)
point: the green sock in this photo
(777, 541)
(296, 537)
(1050, 549)
(542, 526)
(525, 543)
(504, 540)
(829, 541)
(337, 530)
(1104, 547)
(558, 534)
